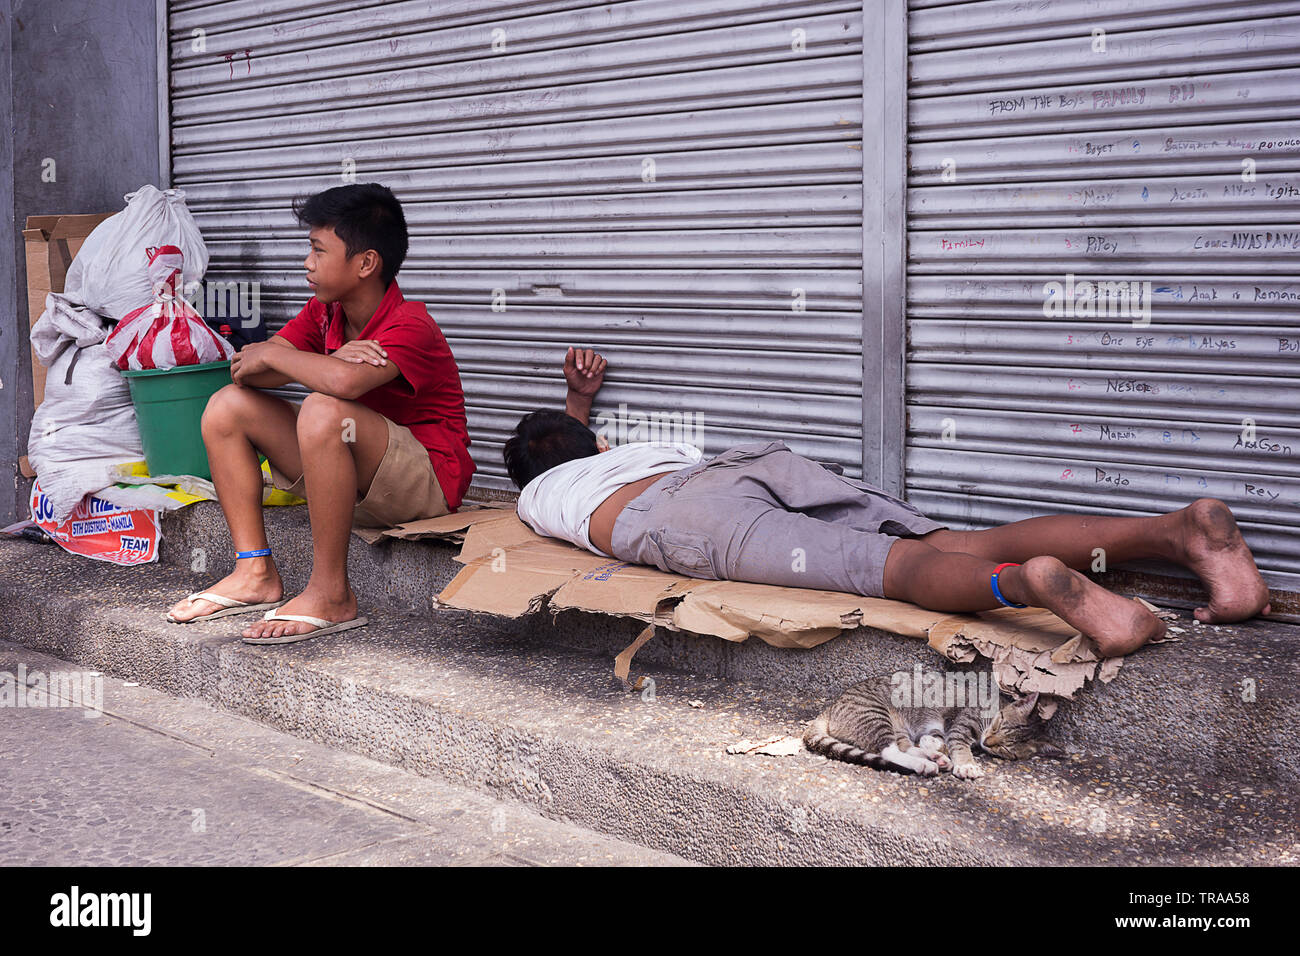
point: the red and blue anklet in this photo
(997, 592)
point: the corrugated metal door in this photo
(675, 183)
(1111, 141)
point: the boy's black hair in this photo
(543, 439)
(365, 216)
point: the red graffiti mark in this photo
(970, 242)
(1076, 428)
(230, 59)
(1067, 474)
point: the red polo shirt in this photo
(426, 397)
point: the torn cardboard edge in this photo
(512, 571)
(779, 745)
(623, 661)
(450, 527)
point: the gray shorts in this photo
(763, 514)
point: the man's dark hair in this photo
(365, 216)
(543, 439)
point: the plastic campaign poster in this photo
(101, 530)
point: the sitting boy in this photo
(380, 440)
(763, 514)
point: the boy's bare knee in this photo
(227, 406)
(321, 417)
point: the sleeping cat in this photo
(864, 726)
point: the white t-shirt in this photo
(558, 503)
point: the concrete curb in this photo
(1185, 698)
(481, 703)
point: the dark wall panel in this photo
(78, 86)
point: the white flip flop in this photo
(322, 627)
(228, 606)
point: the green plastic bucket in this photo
(168, 405)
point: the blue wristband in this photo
(997, 592)
(260, 553)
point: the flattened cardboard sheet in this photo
(511, 571)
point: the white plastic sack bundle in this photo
(86, 424)
(167, 332)
(110, 274)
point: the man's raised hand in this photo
(584, 371)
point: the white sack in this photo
(86, 424)
(110, 272)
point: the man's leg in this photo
(341, 444)
(237, 423)
(704, 529)
(956, 581)
(830, 556)
(1202, 537)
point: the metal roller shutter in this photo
(521, 170)
(1123, 164)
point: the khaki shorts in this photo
(743, 515)
(404, 487)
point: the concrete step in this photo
(1188, 700)
(482, 702)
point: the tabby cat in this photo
(863, 726)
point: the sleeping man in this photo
(763, 514)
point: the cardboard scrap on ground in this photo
(782, 745)
(451, 527)
(1031, 648)
(512, 571)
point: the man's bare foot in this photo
(311, 603)
(1210, 543)
(1118, 625)
(252, 581)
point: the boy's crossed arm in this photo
(362, 364)
(348, 373)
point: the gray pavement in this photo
(158, 780)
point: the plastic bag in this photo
(86, 425)
(109, 273)
(100, 529)
(167, 332)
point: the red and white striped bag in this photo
(167, 332)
